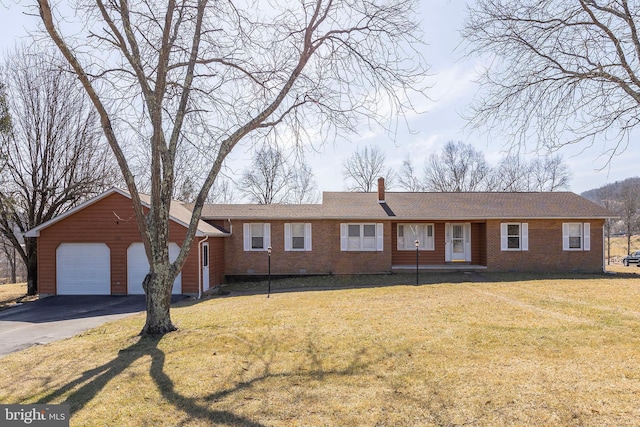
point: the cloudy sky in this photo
(453, 89)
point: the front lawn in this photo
(500, 350)
(14, 293)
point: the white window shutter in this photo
(267, 235)
(287, 237)
(343, 237)
(246, 236)
(307, 237)
(565, 237)
(467, 242)
(524, 236)
(504, 238)
(379, 236)
(586, 230)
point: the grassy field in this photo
(14, 293)
(474, 350)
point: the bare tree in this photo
(458, 168)
(548, 173)
(515, 173)
(221, 191)
(566, 69)
(362, 169)
(5, 117)
(607, 198)
(304, 188)
(407, 177)
(11, 256)
(512, 174)
(629, 205)
(52, 154)
(213, 74)
(266, 180)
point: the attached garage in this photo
(96, 249)
(83, 269)
(138, 267)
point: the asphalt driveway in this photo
(58, 317)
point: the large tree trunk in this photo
(32, 275)
(30, 258)
(157, 288)
(13, 264)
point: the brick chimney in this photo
(380, 190)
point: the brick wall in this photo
(324, 258)
(545, 249)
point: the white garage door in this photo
(138, 267)
(83, 269)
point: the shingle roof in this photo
(177, 212)
(431, 206)
(246, 211)
(182, 215)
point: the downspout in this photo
(604, 253)
(230, 227)
(200, 266)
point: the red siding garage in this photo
(95, 249)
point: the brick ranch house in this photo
(95, 248)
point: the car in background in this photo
(633, 257)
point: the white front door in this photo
(458, 244)
(205, 266)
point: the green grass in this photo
(496, 350)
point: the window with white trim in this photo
(297, 236)
(257, 236)
(514, 236)
(361, 237)
(409, 233)
(576, 236)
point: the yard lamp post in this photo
(269, 254)
(417, 260)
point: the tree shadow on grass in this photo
(84, 389)
(94, 380)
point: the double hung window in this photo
(409, 233)
(514, 236)
(576, 236)
(257, 236)
(297, 236)
(361, 237)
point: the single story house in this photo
(348, 233)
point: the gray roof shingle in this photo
(429, 206)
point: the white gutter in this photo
(604, 252)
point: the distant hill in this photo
(611, 189)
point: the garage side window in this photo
(514, 236)
(256, 236)
(576, 236)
